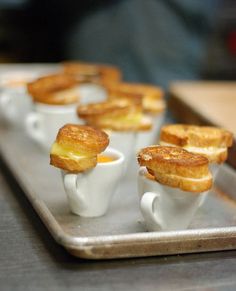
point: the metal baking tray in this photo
(121, 232)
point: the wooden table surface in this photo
(31, 260)
(212, 101)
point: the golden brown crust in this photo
(58, 89)
(151, 96)
(73, 165)
(197, 136)
(176, 167)
(118, 115)
(94, 110)
(176, 161)
(82, 139)
(88, 72)
(211, 142)
(76, 147)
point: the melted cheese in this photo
(61, 151)
(69, 95)
(127, 119)
(206, 178)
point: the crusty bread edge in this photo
(72, 165)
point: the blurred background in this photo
(152, 41)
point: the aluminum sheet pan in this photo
(120, 233)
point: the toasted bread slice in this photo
(54, 90)
(177, 168)
(73, 165)
(83, 139)
(94, 110)
(186, 184)
(77, 146)
(89, 72)
(151, 96)
(212, 142)
(117, 115)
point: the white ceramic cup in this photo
(89, 193)
(147, 138)
(91, 93)
(43, 123)
(214, 169)
(124, 142)
(15, 103)
(164, 207)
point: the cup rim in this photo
(51, 108)
(119, 161)
(114, 152)
(119, 133)
(27, 76)
(142, 174)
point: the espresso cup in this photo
(44, 122)
(91, 93)
(89, 193)
(123, 142)
(164, 207)
(214, 169)
(15, 103)
(147, 138)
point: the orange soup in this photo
(105, 159)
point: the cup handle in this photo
(6, 106)
(33, 128)
(147, 205)
(71, 183)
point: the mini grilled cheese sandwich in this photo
(76, 147)
(92, 73)
(57, 89)
(151, 97)
(209, 141)
(119, 115)
(176, 167)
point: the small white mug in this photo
(15, 103)
(44, 122)
(91, 93)
(214, 169)
(164, 207)
(123, 141)
(147, 138)
(89, 193)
